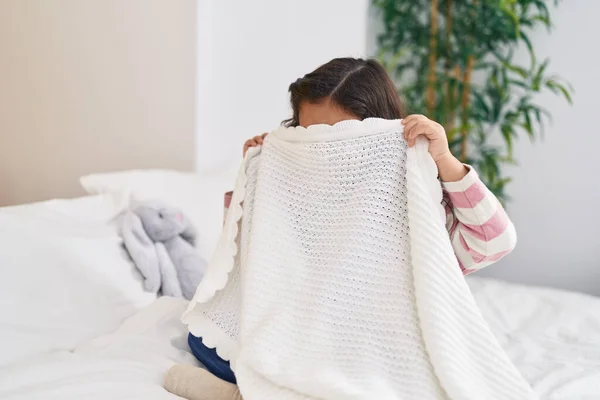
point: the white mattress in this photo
(552, 336)
(126, 364)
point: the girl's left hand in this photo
(450, 169)
(419, 125)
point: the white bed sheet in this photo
(127, 364)
(551, 335)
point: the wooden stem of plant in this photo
(449, 23)
(432, 58)
(449, 123)
(465, 105)
(452, 98)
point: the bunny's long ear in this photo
(170, 280)
(142, 250)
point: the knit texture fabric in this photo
(345, 285)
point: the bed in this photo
(75, 322)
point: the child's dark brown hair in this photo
(360, 87)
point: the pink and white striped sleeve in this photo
(479, 228)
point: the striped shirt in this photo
(480, 231)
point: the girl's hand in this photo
(450, 169)
(255, 141)
(419, 125)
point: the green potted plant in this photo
(453, 61)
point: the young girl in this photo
(354, 89)
(349, 88)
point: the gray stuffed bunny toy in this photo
(160, 241)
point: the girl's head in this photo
(344, 88)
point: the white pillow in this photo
(66, 277)
(103, 209)
(199, 195)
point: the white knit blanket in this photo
(346, 285)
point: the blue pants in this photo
(209, 358)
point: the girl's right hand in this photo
(255, 141)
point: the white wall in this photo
(94, 85)
(248, 54)
(556, 189)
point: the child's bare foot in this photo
(195, 383)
